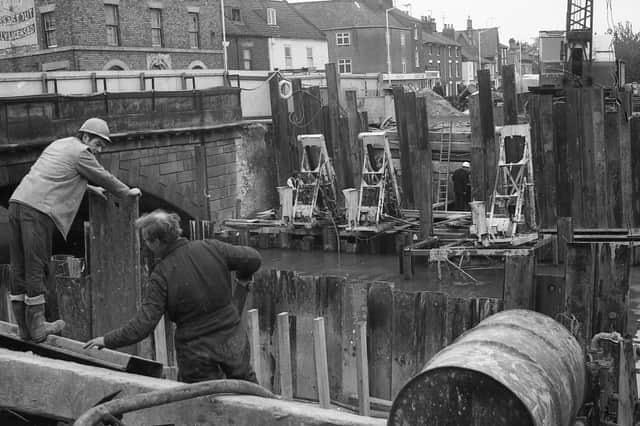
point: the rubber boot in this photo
(39, 329)
(18, 307)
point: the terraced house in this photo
(111, 35)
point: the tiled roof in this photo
(253, 20)
(436, 38)
(343, 14)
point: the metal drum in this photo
(516, 367)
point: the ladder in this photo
(513, 189)
(444, 172)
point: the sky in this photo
(520, 19)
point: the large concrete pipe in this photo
(516, 367)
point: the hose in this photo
(107, 411)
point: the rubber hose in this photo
(165, 396)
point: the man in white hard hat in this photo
(49, 197)
(462, 187)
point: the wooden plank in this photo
(432, 325)
(541, 178)
(478, 167)
(261, 299)
(380, 323)
(488, 131)
(354, 129)
(509, 94)
(354, 311)
(284, 356)
(589, 186)
(280, 119)
(320, 355)
(613, 177)
(574, 150)
(564, 236)
(254, 341)
(459, 317)
(115, 259)
(338, 147)
(484, 307)
(600, 158)
(405, 149)
(423, 170)
(306, 307)
(404, 362)
(160, 342)
(550, 295)
(74, 301)
(580, 280)
(330, 306)
(549, 156)
(611, 303)
(362, 367)
(635, 171)
(627, 394)
(519, 286)
(563, 187)
(624, 133)
(6, 312)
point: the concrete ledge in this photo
(64, 390)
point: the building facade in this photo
(269, 35)
(114, 35)
(442, 53)
(356, 33)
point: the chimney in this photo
(449, 32)
(378, 4)
(469, 24)
(429, 24)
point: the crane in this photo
(579, 36)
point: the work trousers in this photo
(220, 355)
(461, 201)
(30, 241)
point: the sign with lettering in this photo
(17, 24)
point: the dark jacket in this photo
(192, 284)
(461, 184)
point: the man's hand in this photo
(97, 343)
(134, 192)
(98, 190)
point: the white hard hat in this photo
(96, 126)
(466, 164)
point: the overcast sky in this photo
(520, 19)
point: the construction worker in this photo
(438, 88)
(462, 187)
(49, 197)
(192, 285)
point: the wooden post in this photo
(564, 236)
(519, 283)
(563, 188)
(477, 152)
(509, 94)
(322, 369)
(160, 342)
(635, 171)
(405, 147)
(280, 120)
(598, 160)
(254, 342)
(380, 323)
(488, 132)
(423, 170)
(613, 169)
(580, 278)
(354, 129)
(362, 364)
(624, 132)
(574, 150)
(284, 356)
(339, 148)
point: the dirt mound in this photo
(441, 112)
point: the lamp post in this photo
(225, 43)
(388, 37)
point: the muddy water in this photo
(489, 275)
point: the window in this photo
(417, 58)
(404, 65)
(156, 27)
(344, 66)
(450, 51)
(288, 60)
(49, 26)
(235, 14)
(113, 23)
(439, 50)
(458, 70)
(246, 59)
(403, 39)
(271, 16)
(310, 57)
(451, 70)
(415, 32)
(430, 49)
(457, 51)
(194, 30)
(343, 39)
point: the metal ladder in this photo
(443, 176)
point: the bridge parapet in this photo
(43, 118)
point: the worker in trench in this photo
(192, 284)
(462, 187)
(49, 197)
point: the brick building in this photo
(116, 35)
(442, 53)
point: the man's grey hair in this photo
(160, 225)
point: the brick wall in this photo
(81, 24)
(259, 47)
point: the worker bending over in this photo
(192, 285)
(49, 197)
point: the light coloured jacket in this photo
(58, 180)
